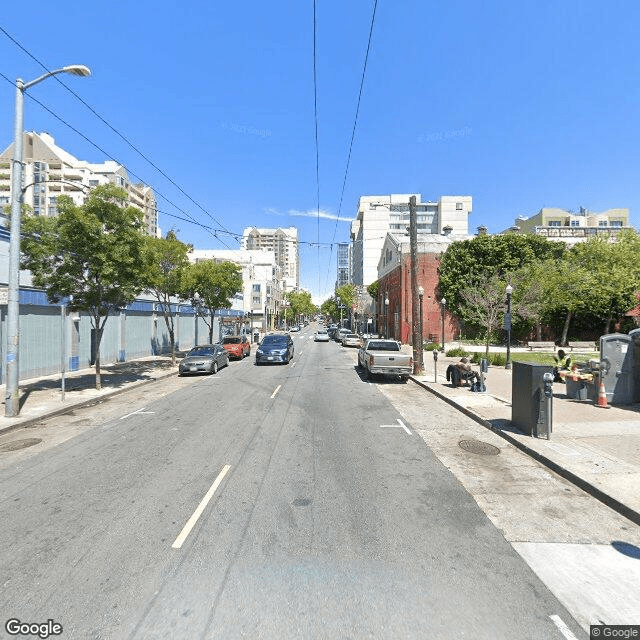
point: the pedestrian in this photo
(563, 363)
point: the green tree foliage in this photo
(372, 289)
(210, 286)
(346, 295)
(94, 252)
(470, 262)
(300, 304)
(167, 258)
(330, 308)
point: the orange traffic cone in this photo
(602, 395)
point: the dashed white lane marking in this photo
(562, 627)
(273, 395)
(201, 507)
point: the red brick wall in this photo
(397, 317)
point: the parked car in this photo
(275, 348)
(321, 335)
(294, 328)
(384, 357)
(341, 333)
(206, 358)
(237, 346)
(351, 340)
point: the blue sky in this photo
(520, 105)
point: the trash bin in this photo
(616, 366)
(256, 337)
(577, 388)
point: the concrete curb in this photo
(581, 483)
(107, 395)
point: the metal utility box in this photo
(616, 367)
(635, 338)
(527, 396)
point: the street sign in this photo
(507, 321)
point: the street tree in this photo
(91, 255)
(167, 260)
(210, 286)
(300, 304)
(470, 262)
(484, 304)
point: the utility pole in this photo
(415, 320)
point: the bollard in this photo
(435, 366)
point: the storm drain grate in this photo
(19, 444)
(481, 448)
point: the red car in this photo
(237, 346)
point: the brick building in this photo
(394, 285)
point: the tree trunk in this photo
(99, 330)
(565, 330)
(539, 331)
(607, 328)
(211, 328)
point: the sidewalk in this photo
(596, 448)
(42, 397)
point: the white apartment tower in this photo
(50, 171)
(379, 215)
(285, 246)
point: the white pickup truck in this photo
(384, 357)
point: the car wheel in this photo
(214, 368)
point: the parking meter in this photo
(435, 365)
(545, 413)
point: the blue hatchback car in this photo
(275, 348)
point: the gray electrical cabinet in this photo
(616, 367)
(635, 338)
(528, 403)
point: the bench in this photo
(541, 345)
(589, 346)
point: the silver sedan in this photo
(321, 336)
(207, 358)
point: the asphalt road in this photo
(262, 502)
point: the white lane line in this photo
(294, 364)
(186, 530)
(273, 395)
(562, 627)
(141, 411)
(397, 426)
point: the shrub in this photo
(431, 346)
(498, 359)
(457, 352)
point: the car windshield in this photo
(231, 340)
(383, 346)
(200, 351)
(269, 340)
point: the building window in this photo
(554, 223)
(93, 183)
(256, 288)
(602, 223)
(575, 223)
(615, 223)
(458, 206)
(256, 300)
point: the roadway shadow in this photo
(362, 374)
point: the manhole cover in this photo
(476, 446)
(19, 444)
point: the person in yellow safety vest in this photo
(563, 362)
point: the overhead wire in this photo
(103, 120)
(355, 124)
(315, 112)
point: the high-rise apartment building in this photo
(343, 262)
(379, 215)
(50, 172)
(284, 244)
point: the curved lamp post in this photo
(507, 323)
(443, 302)
(12, 400)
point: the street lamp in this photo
(507, 325)
(386, 314)
(12, 399)
(443, 302)
(421, 356)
